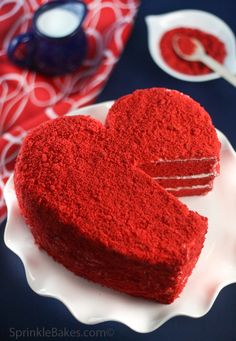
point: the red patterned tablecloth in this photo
(27, 98)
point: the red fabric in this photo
(27, 99)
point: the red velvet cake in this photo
(87, 192)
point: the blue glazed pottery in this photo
(56, 43)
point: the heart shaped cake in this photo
(97, 197)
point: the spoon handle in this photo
(218, 68)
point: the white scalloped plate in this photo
(158, 24)
(91, 303)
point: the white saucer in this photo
(158, 24)
(91, 303)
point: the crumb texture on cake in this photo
(92, 207)
(162, 124)
(168, 134)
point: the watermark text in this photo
(43, 332)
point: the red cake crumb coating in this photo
(102, 217)
(163, 124)
(166, 133)
(213, 46)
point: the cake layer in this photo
(190, 191)
(181, 167)
(184, 181)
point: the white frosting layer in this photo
(196, 176)
(188, 187)
(185, 160)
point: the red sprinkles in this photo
(213, 47)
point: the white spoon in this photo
(199, 54)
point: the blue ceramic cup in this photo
(56, 43)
